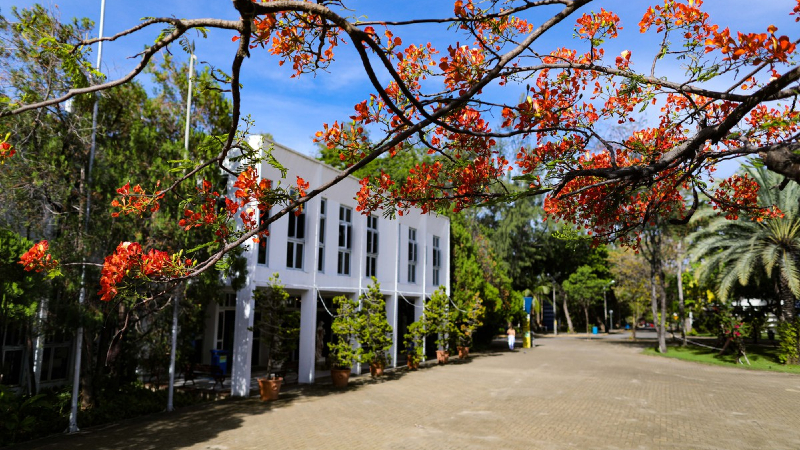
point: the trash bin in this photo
(594, 330)
(219, 358)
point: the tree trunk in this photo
(654, 304)
(662, 329)
(681, 306)
(787, 300)
(566, 314)
(586, 313)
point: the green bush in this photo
(415, 341)
(31, 417)
(374, 331)
(344, 328)
(788, 349)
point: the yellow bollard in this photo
(526, 327)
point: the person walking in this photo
(512, 335)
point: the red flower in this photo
(38, 259)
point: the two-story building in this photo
(329, 250)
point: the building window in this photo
(372, 246)
(345, 240)
(437, 260)
(226, 319)
(56, 357)
(296, 240)
(321, 245)
(263, 240)
(412, 255)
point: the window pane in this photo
(289, 254)
(321, 259)
(301, 227)
(298, 257)
(322, 230)
(292, 225)
(59, 369)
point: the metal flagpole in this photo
(177, 297)
(76, 378)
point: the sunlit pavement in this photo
(563, 394)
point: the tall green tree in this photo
(43, 189)
(737, 252)
(586, 288)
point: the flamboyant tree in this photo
(735, 98)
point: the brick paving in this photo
(564, 394)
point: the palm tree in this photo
(736, 249)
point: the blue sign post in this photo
(527, 325)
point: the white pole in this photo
(188, 107)
(555, 312)
(177, 297)
(76, 378)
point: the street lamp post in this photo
(177, 297)
(605, 303)
(611, 323)
(72, 426)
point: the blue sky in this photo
(293, 109)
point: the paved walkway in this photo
(564, 394)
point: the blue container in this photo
(594, 331)
(219, 358)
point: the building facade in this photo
(330, 249)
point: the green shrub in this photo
(374, 331)
(415, 341)
(788, 349)
(344, 328)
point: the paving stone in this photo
(564, 394)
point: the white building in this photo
(329, 250)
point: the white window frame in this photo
(437, 261)
(321, 241)
(413, 255)
(295, 246)
(372, 246)
(345, 242)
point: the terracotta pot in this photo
(340, 377)
(269, 388)
(463, 352)
(376, 370)
(411, 363)
(441, 356)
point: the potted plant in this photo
(279, 331)
(471, 320)
(439, 320)
(344, 329)
(373, 330)
(414, 340)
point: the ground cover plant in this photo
(761, 357)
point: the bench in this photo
(193, 370)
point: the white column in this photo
(419, 312)
(391, 317)
(308, 336)
(38, 344)
(243, 342)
